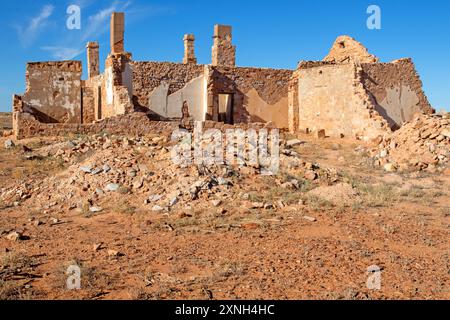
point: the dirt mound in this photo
(339, 194)
(423, 143)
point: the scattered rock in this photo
(26, 149)
(310, 219)
(216, 203)
(418, 145)
(14, 236)
(154, 198)
(293, 143)
(97, 171)
(112, 187)
(221, 211)
(222, 182)
(310, 175)
(86, 169)
(268, 206)
(9, 144)
(157, 208)
(390, 167)
(138, 184)
(173, 201)
(37, 223)
(114, 253)
(321, 134)
(257, 205)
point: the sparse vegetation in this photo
(16, 270)
(249, 236)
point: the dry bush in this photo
(16, 269)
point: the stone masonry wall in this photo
(333, 98)
(53, 91)
(88, 104)
(147, 76)
(260, 95)
(118, 86)
(223, 51)
(131, 124)
(134, 124)
(98, 87)
(396, 89)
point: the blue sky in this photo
(274, 34)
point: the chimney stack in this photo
(189, 53)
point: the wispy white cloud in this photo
(95, 26)
(63, 53)
(35, 25)
(98, 24)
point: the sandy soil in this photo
(302, 248)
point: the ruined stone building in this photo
(349, 93)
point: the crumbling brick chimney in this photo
(223, 51)
(189, 53)
(117, 32)
(93, 59)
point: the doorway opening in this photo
(226, 108)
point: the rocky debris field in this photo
(101, 168)
(422, 144)
(142, 227)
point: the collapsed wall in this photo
(350, 93)
(254, 95)
(161, 88)
(332, 98)
(133, 124)
(56, 95)
(423, 143)
(346, 49)
(118, 86)
(396, 89)
(53, 91)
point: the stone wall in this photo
(350, 93)
(259, 95)
(346, 49)
(243, 126)
(98, 87)
(223, 51)
(332, 98)
(161, 87)
(118, 86)
(88, 104)
(131, 124)
(53, 91)
(397, 90)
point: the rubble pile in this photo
(422, 144)
(101, 170)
